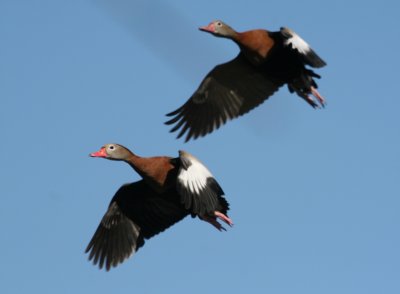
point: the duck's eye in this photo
(111, 147)
(219, 24)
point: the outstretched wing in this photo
(115, 239)
(228, 91)
(200, 192)
(296, 43)
(136, 213)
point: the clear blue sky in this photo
(314, 193)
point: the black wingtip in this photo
(176, 111)
(314, 60)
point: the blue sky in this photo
(314, 193)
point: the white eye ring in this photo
(111, 147)
(219, 24)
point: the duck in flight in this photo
(171, 189)
(267, 61)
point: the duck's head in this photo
(219, 29)
(113, 152)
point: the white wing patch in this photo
(298, 43)
(194, 178)
(199, 191)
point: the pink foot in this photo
(213, 220)
(224, 218)
(316, 94)
(310, 101)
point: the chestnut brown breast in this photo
(159, 172)
(255, 45)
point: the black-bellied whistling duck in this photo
(267, 61)
(171, 189)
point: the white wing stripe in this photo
(298, 43)
(195, 177)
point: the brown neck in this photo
(137, 163)
(154, 170)
(235, 37)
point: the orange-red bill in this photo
(210, 28)
(100, 153)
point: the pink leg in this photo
(318, 96)
(213, 221)
(306, 97)
(310, 101)
(224, 218)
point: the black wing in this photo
(136, 213)
(228, 91)
(301, 47)
(199, 190)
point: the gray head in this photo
(219, 29)
(112, 152)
